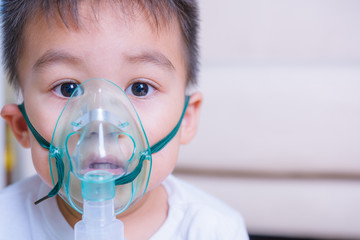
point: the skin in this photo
(124, 52)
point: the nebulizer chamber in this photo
(101, 140)
(98, 220)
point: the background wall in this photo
(279, 132)
(2, 129)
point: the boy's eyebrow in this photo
(52, 56)
(151, 57)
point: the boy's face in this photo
(147, 63)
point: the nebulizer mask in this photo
(100, 158)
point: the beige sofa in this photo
(281, 144)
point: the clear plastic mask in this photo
(97, 134)
(99, 149)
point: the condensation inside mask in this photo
(100, 133)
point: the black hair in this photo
(16, 13)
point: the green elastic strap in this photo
(38, 137)
(120, 181)
(161, 144)
(57, 187)
(153, 149)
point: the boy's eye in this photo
(139, 89)
(66, 89)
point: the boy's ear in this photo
(17, 123)
(190, 121)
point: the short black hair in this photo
(16, 13)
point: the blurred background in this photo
(279, 129)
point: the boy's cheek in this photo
(40, 158)
(159, 122)
(163, 162)
(43, 117)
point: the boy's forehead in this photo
(88, 20)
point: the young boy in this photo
(149, 49)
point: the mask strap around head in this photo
(162, 143)
(120, 181)
(153, 149)
(45, 144)
(39, 138)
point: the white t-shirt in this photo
(193, 215)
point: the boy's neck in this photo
(148, 214)
(70, 215)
